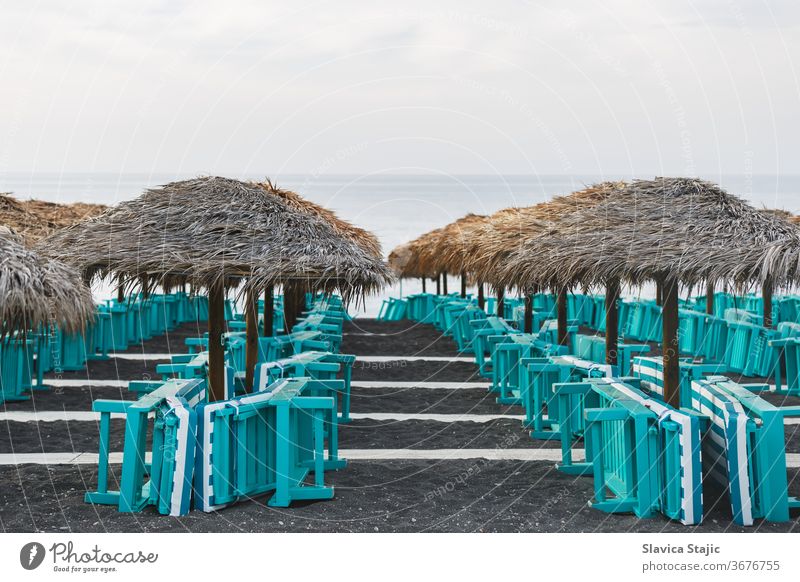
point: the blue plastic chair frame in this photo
(268, 441)
(542, 375)
(135, 492)
(641, 451)
(747, 453)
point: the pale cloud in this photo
(277, 87)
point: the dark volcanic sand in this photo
(426, 434)
(58, 436)
(78, 398)
(396, 496)
(113, 369)
(373, 326)
(411, 340)
(173, 342)
(419, 371)
(429, 401)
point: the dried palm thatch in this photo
(400, 261)
(415, 258)
(36, 219)
(35, 291)
(63, 215)
(506, 231)
(779, 212)
(448, 253)
(682, 229)
(365, 239)
(215, 231)
(29, 225)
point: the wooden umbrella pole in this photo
(612, 322)
(659, 294)
(563, 332)
(501, 302)
(145, 288)
(269, 311)
(293, 304)
(672, 373)
(251, 339)
(767, 292)
(424, 290)
(481, 298)
(444, 283)
(463, 285)
(120, 290)
(286, 305)
(438, 285)
(528, 320)
(710, 292)
(289, 307)
(216, 351)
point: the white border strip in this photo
(62, 383)
(548, 455)
(414, 359)
(433, 385)
(167, 357)
(89, 416)
(145, 357)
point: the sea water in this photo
(396, 208)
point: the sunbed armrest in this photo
(790, 411)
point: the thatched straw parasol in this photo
(36, 219)
(63, 215)
(363, 238)
(400, 259)
(424, 259)
(669, 230)
(15, 215)
(449, 250)
(36, 292)
(215, 232)
(507, 230)
(666, 228)
(407, 261)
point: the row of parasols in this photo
(217, 235)
(674, 232)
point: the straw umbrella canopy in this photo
(413, 259)
(449, 250)
(423, 257)
(506, 231)
(363, 238)
(400, 259)
(35, 219)
(216, 232)
(669, 230)
(36, 292)
(15, 215)
(63, 215)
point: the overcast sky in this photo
(605, 87)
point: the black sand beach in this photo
(396, 495)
